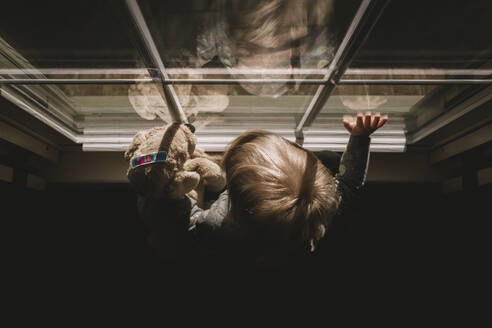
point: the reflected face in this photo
(264, 58)
(237, 38)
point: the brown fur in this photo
(183, 170)
(186, 166)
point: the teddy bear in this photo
(165, 163)
(164, 166)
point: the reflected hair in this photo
(276, 23)
(278, 188)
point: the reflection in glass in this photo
(249, 39)
(384, 98)
(89, 99)
(412, 105)
(232, 105)
(203, 104)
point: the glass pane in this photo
(68, 34)
(110, 115)
(93, 99)
(395, 101)
(204, 105)
(248, 39)
(233, 107)
(383, 98)
(440, 34)
(409, 107)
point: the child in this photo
(279, 196)
(280, 199)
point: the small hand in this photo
(364, 125)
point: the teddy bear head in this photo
(157, 157)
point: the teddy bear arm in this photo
(184, 182)
(198, 153)
(208, 171)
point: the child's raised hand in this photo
(364, 125)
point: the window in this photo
(99, 72)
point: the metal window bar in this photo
(474, 72)
(252, 81)
(170, 95)
(364, 20)
(77, 81)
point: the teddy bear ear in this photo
(137, 141)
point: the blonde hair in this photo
(276, 23)
(279, 187)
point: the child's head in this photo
(278, 189)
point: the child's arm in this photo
(206, 226)
(173, 224)
(353, 165)
(212, 218)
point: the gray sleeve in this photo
(352, 171)
(354, 162)
(212, 218)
